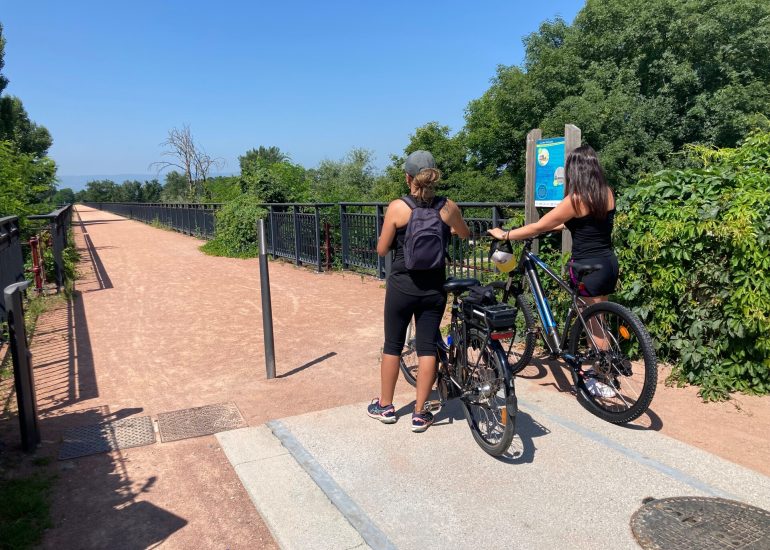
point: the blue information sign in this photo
(549, 171)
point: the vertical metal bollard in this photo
(267, 308)
(24, 379)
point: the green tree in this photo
(223, 188)
(101, 191)
(16, 126)
(175, 187)
(349, 179)
(271, 177)
(3, 79)
(641, 80)
(63, 196)
(262, 155)
(26, 182)
(27, 176)
(151, 191)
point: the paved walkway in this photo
(159, 326)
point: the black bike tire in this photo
(530, 339)
(495, 352)
(648, 354)
(408, 376)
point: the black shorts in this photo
(399, 309)
(598, 283)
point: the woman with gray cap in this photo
(414, 292)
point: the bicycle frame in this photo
(450, 353)
(528, 267)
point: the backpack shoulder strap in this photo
(410, 202)
(439, 202)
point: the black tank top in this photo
(418, 282)
(591, 238)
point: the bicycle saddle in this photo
(460, 285)
(584, 269)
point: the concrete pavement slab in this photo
(296, 510)
(570, 480)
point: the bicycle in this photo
(607, 336)
(472, 366)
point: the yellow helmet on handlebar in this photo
(501, 254)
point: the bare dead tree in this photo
(183, 153)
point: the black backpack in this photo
(426, 238)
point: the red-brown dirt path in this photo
(158, 326)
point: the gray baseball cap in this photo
(418, 161)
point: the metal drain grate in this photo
(107, 436)
(700, 522)
(199, 421)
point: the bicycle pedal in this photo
(432, 406)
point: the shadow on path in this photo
(95, 504)
(97, 273)
(308, 364)
(553, 373)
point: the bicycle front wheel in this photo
(520, 347)
(489, 399)
(617, 353)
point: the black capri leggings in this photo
(399, 309)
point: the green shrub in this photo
(694, 252)
(236, 229)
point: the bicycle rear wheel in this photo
(619, 351)
(408, 362)
(521, 346)
(489, 399)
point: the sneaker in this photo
(386, 415)
(596, 388)
(421, 421)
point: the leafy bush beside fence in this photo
(236, 228)
(695, 264)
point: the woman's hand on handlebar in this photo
(498, 233)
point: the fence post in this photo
(58, 252)
(273, 232)
(327, 245)
(344, 235)
(381, 273)
(297, 233)
(572, 139)
(267, 308)
(318, 237)
(530, 212)
(23, 376)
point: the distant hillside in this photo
(76, 183)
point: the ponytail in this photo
(425, 184)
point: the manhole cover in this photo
(107, 436)
(703, 523)
(199, 421)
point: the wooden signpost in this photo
(544, 181)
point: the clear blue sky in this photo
(316, 78)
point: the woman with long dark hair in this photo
(588, 211)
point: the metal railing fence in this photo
(11, 258)
(296, 231)
(59, 224)
(188, 218)
(360, 225)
